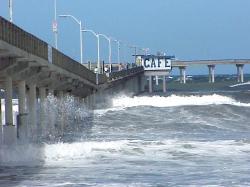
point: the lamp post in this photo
(110, 51)
(80, 25)
(98, 47)
(54, 25)
(135, 50)
(11, 10)
(118, 49)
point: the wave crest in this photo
(174, 100)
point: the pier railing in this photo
(125, 73)
(25, 41)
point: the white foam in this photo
(64, 151)
(86, 152)
(123, 102)
(240, 84)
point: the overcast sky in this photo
(188, 29)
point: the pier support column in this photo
(21, 97)
(43, 112)
(60, 94)
(211, 73)
(164, 86)
(9, 130)
(150, 84)
(1, 123)
(240, 73)
(32, 110)
(42, 94)
(1, 119)
(51, 92)
(182, 75)
(143, 82)
(22, 116)
(156, 80)
(8, 101)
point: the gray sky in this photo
(188, 29)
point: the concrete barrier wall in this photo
(72, 66)
(125, 73)
(17, 37)
(23, 40)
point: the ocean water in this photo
(178, 139)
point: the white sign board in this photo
(151, 63)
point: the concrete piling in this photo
(22, 127)
(182, 75)
(9, 130)
(240, 73)
(211, 75)
(164, 86)
(42, 94)
(150, 84)
(32, 104)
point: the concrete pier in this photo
(211, 75)
(42, 94)
(164, 84)
(21, 97)
(1, 119)
(32, 107)
(156, 80)
(41, 66)
(240, 73)
(9, 130)
(22, 126)
(150, 84)
(8, 101)
(182, 75)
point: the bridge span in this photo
(239, 63)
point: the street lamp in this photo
(54, 24)
(98, 47)
(118, 48)
(110, 51)
(135, 48)
(80, 24)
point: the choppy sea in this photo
(178, 139)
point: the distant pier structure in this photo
(211, 64)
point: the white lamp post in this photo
(118, 49)
(54, 26)
(135, 48)
(110, 51)
(80, 24)
(98, 47)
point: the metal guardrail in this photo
(72, 66)
(125, 73)
(23, 40)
